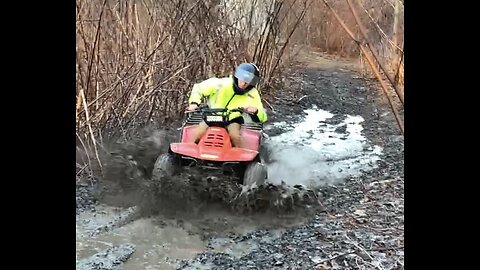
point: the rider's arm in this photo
(261, 115)
(203, 89)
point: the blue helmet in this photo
(247, 72)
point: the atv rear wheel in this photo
(255, 174)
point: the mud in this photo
(107, 259)
(348, 161)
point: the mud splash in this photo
(127, 166)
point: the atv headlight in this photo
(214, 118)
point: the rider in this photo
(230, 92)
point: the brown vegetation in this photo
(137, 59)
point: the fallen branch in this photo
(361, 249)
(269, 105)
(300, 99)
(81, 168)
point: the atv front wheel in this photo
(255, 174)
(165, 165)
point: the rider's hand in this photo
(192, 107)
(250, 110)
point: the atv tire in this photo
(165, 165)
(255, 174)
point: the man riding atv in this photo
(216, 136)
(230, 92)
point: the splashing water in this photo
(316, 152)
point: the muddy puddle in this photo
(162, 242)
(321, 149)
(156, 246)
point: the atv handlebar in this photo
(216, 110)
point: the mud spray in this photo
(197, 207)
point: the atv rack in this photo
(196, 117)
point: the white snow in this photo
(313, 153)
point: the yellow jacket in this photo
(220, 93)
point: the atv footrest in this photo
(253, 126)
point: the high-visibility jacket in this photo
(220, 94)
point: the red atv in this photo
(215, 150)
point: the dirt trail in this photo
(336, 135)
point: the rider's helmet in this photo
(247, 72)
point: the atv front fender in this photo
(213, 154)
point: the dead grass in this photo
(137, 59)
(320, 30)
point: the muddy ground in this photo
(355, 223)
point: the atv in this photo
(215, 150)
